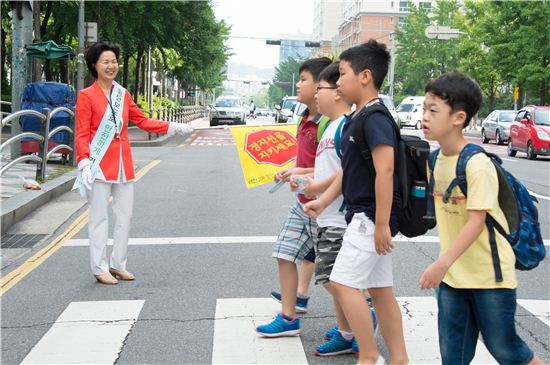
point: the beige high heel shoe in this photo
(123, 275)
(106, 278)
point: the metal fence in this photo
(178, 114)
(44, 137)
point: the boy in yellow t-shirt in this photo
(470, 300)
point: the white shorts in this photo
(357, 264)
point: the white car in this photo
(229, 109)
(388, 102)
(410, 111)
(286, 110)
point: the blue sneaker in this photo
(279, 327)
(337, 345)
(354, 346)
(331, 332)
(301, 303)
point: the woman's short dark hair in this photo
(94, 51)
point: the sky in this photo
(262, 19)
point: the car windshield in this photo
(507, 117)
(228, 103)
(289, 103)
(542, 117)
(405, 107)
(301, 109)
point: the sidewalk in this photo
(18, 202)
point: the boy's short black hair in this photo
(315, 66)
(330, 74)
(94, 51)
(459, 92)
(373, 56)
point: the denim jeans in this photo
(464, 313)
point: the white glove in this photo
(179, 128)
(85, 173)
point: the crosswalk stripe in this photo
(539, 308)
(231, 239)
(236, 342)
(87, 332)
(421, 334)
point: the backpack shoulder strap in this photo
(323, 122)
(359, 133)
(469, 151)
(338, 137)
(430, 209)
(298, 123)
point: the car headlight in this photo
(543, 135)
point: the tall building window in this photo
(403, 6)
(391, 19)
(426, 6)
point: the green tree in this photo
(285, 74)
(517, 34)
(419, 58)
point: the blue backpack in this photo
(516, 203)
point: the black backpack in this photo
(412, 160)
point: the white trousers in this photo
(98, 224)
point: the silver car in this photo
(229, 109)
(497, 126)
(388, 102)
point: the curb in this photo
(20, 205)
(152, 143)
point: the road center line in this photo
(16, 275)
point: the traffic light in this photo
(273, 42)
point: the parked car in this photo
(297, 110)
(410, 111)
(530, 132)
(388, 102)
(285, 110)
(497, 126)
(229, 109)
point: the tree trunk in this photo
(126, 60)
(491, 95)
(136, 75)
(37, 62)
(143, 75)
(4, 78)
(63, 67)
(48, 71)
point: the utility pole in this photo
(22, 22)
(149, 93)
(80, 58)
(293, 84)
(392, 64)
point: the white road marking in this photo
(236, 341)
(87, 333)
(232, 239)
(538, 196)
(421, 333)
(539, 308)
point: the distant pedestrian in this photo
(105, 161)
(470, 298)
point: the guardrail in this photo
(44, 137)
(178, 114)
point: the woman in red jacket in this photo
(105, 159)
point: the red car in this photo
(530, 132)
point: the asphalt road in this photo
(197, 190)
